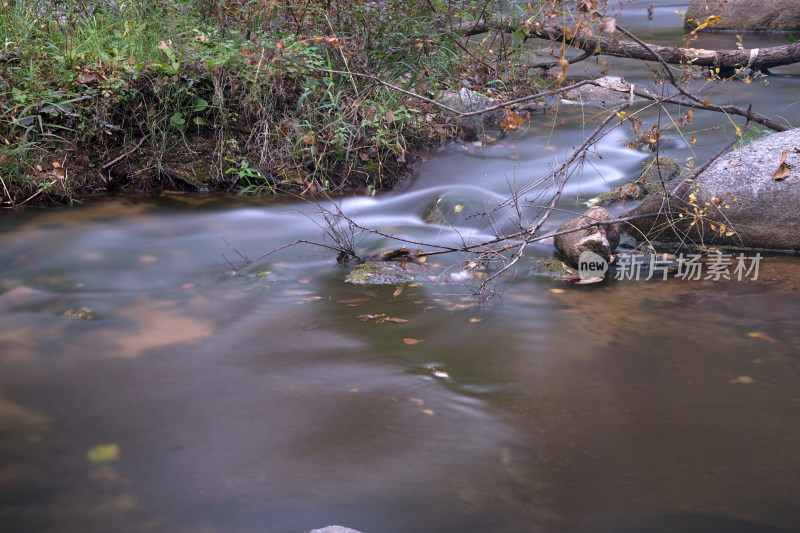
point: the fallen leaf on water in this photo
(428, 412)
(557, 291)
(392, 319)
(365, 318)
(304, 281)
(783, 168)
(475, 320)
(458, 208)
(103, 453)
(762, 336)
(412, 341)
(353, 301)
(418, 401)
(399, 290)
(743, 380)
(440, 374)
(354, 390)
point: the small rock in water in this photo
(379, 273)
(601, 240)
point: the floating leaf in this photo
(440, 374)
(743, 380)
(351, 301)
(417, 401)
(475, 320)
(412, 341)
(103, 453)
(762, 336)
(458, 208)
(428, 412)
(392, 319)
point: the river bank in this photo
(220, 96)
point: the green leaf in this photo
(177, 120)
(790, 38)
(199, 105)
(199, 121)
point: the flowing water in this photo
(143, 390)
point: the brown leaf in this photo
(412, 341)
(742, 380)
(392, 319)
(783, 168)
(511, 122)
(82, 160)
(364, 156)
(689, 116)
(353, 301)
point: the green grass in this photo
(223, 91)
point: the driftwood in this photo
(755, 59)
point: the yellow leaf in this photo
(458, 208)
(103, 453)
(693, 140)
(475, 320)
(412, 341)
(762, 336)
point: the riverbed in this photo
(147, 384)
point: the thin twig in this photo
(126, 154)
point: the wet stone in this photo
(380, 273)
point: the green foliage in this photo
(98, 73)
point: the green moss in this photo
(379, 273)
(552, 267)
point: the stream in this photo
(144, 390)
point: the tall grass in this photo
(102, 75)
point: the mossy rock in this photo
(553, 268)
(650, 182)
(380, 273)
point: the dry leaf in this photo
(783, 168)
(743, 380)
(353, 301)
(412, 341)
(364, 156)
(475, 320)
(399, 290)
(441, 374)
(392, 319)
(689, 116)
(608, 25)
(511, 122)
(417, 401)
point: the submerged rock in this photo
(484, 127)
(602, 240)
(553, 268)
(736, 202)
(380, 273)
(745, 15)
(657, 173)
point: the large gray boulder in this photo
(602, 240)
(745, 15)
(738, 191)
(483, 127)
